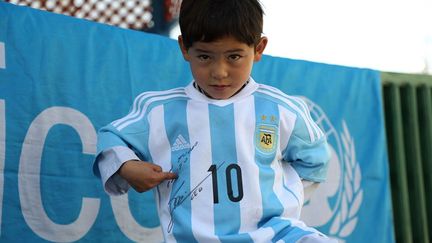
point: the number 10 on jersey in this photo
(232, 168)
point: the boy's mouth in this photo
(219, 87)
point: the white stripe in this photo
(262, 235)
(202, 213)
(138, 103)
(251, 204)
(2, 55)
(318, 131)
(286, 119)
(269, 131)
(144, 109)
(157, 201)
(159, 148)
(289, 203)
(182, 139)
(309, 109)
(293, 199)
(293, 106)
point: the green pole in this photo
(425, 121)
(397, 163)
(414, 165)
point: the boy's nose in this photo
(219, 71)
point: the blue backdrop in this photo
(62, 78)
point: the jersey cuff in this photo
(109, 162)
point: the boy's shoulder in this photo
(158, 95)
(275, 94)
(162, 92)
(292, 102)
(149, 99)
(145, 102)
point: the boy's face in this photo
(221, 67)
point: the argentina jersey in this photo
(239, 161)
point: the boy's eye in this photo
(234, 57)
(203, 57)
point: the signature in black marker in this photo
(177, 200)
(181, 160)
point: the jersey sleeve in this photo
(122, 140)
(307, 149)
(108, 163)
(134, 137)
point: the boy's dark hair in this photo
(209, 20)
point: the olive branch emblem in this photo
(346, 218)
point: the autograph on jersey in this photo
(179, 196)
(177, 199)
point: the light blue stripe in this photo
(290, 234)
(299, 103)
(180, 202)
(272, 206)
(240, 238)
(284, 230)
(223, 144)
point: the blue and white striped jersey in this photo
(239, 161)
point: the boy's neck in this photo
(197, 87)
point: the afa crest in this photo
(266, 138)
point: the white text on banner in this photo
(2, 154)
(2, 55)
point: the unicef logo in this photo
(335, 203)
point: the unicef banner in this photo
(61, 79)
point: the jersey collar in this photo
(195, 93)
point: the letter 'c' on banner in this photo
(29, 175)
(128, 224)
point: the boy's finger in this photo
(169, 175)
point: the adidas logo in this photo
(180, 143)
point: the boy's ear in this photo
(183, 48)
(259, 49)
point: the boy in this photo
(224, 155)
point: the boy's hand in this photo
(143, 176)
